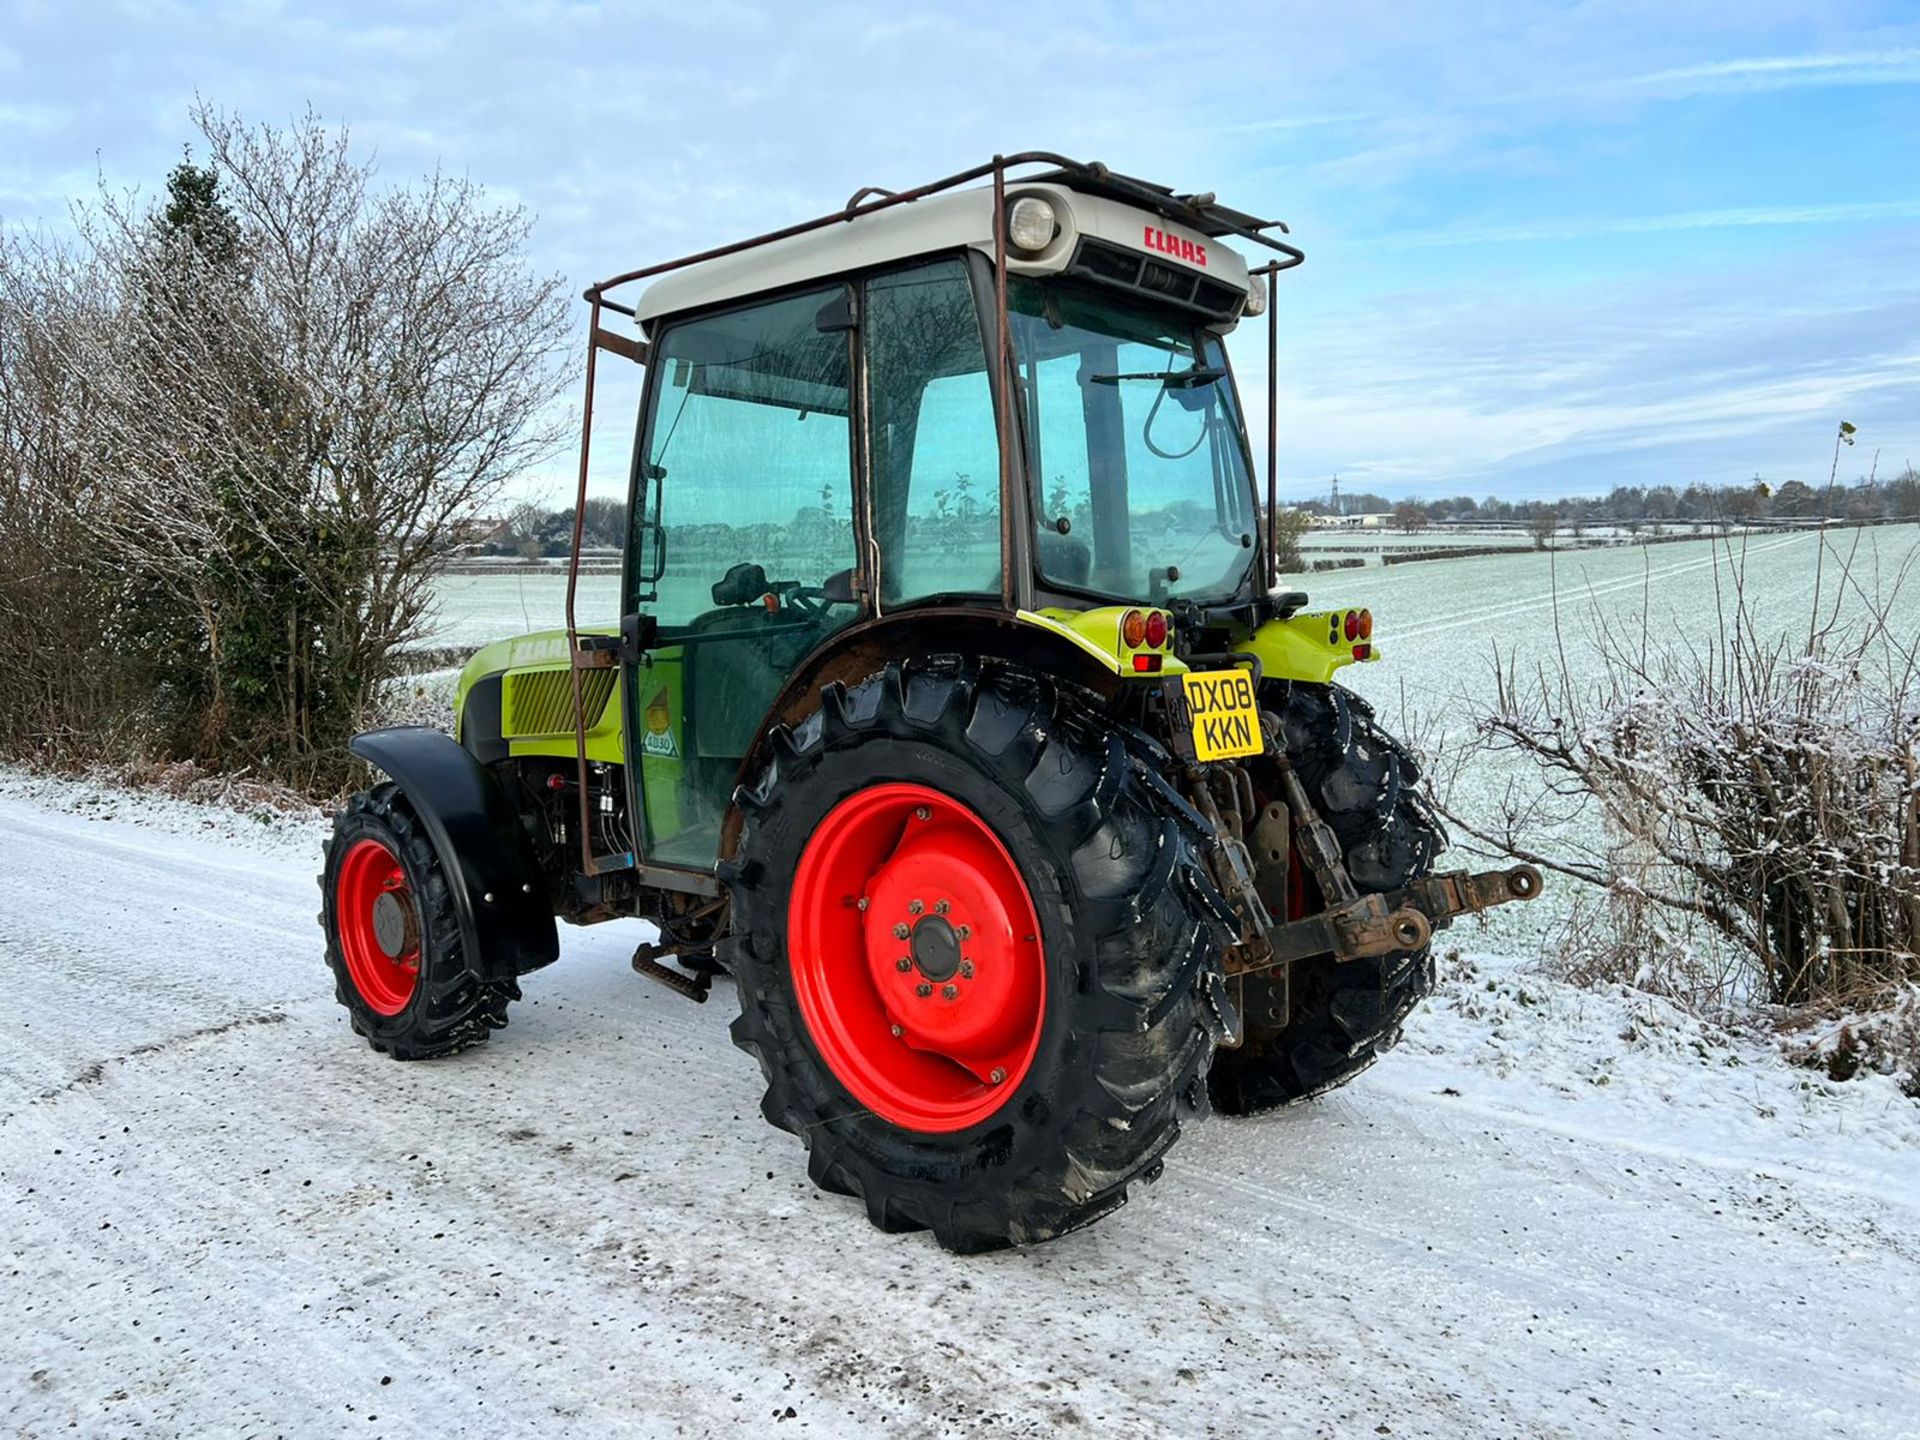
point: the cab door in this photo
(744, 553)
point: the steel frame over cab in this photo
(900, 707)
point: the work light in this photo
(1030, 223)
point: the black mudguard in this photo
(506, 920)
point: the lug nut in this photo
(966, 969)
(898, 1031)
(923, 813)
(915, 907)
(923, 989)
(965, 932)
(861, 903)
(903, 964)
(997, 1075)
(941, 907)
(950, 992)
(902, 930)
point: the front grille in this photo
(1112, 265)
(540, 702)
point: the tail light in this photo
(1133, 629)
(1352, 627)
(1156, 629)
(1366, 624)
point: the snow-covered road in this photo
(1552, 1212)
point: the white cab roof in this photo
(955, 220)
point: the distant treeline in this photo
(531, 531)
(1865, 498)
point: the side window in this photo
(744, 534)
(747, 459)
(936, 460)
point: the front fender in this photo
(506, 920)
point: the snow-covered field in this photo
(1551, 1212)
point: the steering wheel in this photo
(811, 601)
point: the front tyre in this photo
(977, 957)
(393, 944)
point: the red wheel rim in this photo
(378, 926)
(915, 954)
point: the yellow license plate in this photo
(1221, 709)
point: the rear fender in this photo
(856, 651)
(499, 899)
(1309, 646)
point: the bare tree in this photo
(51, 638)
(308, 382)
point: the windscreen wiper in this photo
(1173, 379)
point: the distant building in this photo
(1372, 520)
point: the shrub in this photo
(1758, 798)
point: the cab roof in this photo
(1122, 220)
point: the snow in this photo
(1550, 1212)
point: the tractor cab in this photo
(824, 444)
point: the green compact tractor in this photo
(954, 711)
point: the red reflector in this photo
(1352, 627)
(1361, 652)
(1146, 663)
(1156, 629)
(1366, 624)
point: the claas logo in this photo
(1191, 251)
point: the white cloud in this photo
(1899, 66)
(1739, 217)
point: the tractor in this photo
(955, 714)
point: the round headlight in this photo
(1256, 295)
(1030, 223)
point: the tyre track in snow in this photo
(1641, 1318)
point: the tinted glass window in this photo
(743, 542)
(936, 461)
(1133, 441)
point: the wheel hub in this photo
(935, 948)
(394, 927)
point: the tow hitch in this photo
(1356, 926)
(1371, 925)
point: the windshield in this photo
(1134, 441)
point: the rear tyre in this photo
(393, 944)
(1015, 1025)
(1334, 1019)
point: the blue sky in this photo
(1553, 247)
